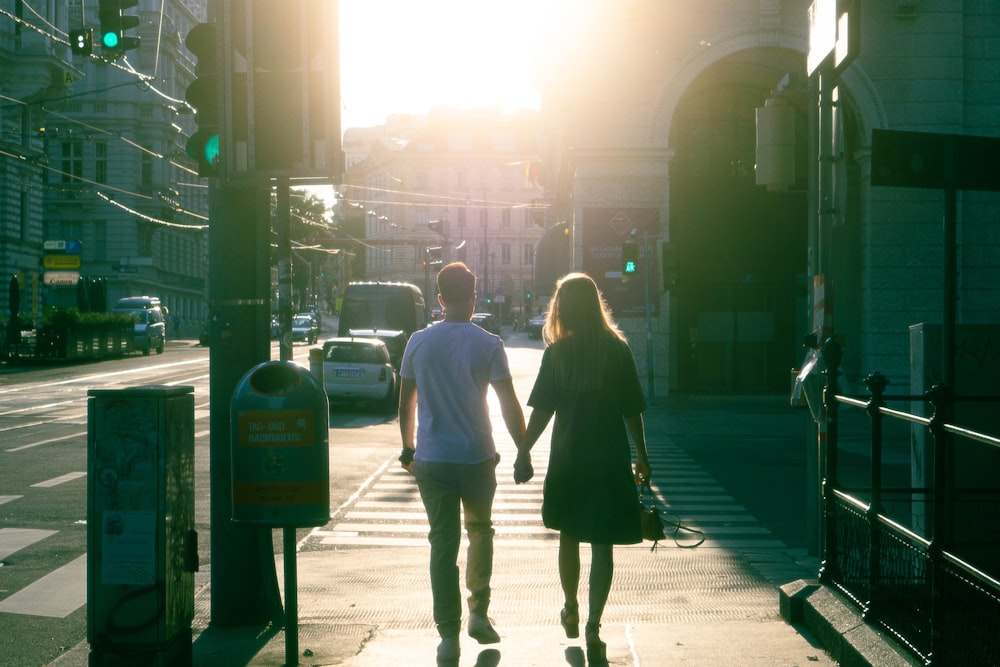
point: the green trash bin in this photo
(280, 448)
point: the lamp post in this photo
(484, 221)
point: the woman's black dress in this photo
(589, 492)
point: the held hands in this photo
(523, 470)
(406, 459)
(642, 472)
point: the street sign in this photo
(822, 33)
(60, 277)
(929, 160)
(834, 33)
(70, 247)
(61, 262)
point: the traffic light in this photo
(81, 41)
(437, 226)
(434, 260)
(114, 24)
(203, 95)
(630, 258)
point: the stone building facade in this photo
(651, 110)
(109, 169)
(460, 183)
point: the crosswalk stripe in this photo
(61, 479)
(7, 499)
(57, 595)
(390, 512)
(15, 539)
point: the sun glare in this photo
(402, 56)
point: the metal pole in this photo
(647, 262)
(291, 599)
(950, 286)
(283, 233)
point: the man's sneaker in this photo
(482, 630)
(448, 649)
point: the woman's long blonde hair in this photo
(578, 311)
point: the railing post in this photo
(876, 383)
(940, 396)
(832, 356)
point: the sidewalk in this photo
(365, 606)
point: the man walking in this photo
(448, 447)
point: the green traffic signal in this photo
(630, 258)
(211, 150)
(110, 40)
(203, 95)
(203, 146)
(114, 24)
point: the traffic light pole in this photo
(244, 583)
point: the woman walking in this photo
(589, 382)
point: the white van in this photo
(381, 306)
(150, 328)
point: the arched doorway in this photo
(740, 292)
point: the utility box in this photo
(142, 546)
(280, 449)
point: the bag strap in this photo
(667, 521)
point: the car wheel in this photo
(390, 403)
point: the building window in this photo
(72, 160)
(484, 217)
(146, 177)
(529, 254)
(25, 218)
(505, 253)
(101, 162)
(100, 244)
(461, 216)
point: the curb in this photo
(839, 628)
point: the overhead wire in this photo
(142, 79)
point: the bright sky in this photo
(410, 56)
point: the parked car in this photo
(534, 327)
(150, 329)
(304, 329)
(394, 340)
(359, 369)
(487, 322)
(313, 311)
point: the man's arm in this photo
(407, 417)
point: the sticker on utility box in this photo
(275, 428)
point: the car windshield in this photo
(302, 322)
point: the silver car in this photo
(359, 369)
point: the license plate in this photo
(348, 373)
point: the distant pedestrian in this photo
(589, 382)
(448, 446)
(177, 326)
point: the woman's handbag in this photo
(649, 515)
(653, 521)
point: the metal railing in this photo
(921, 562)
